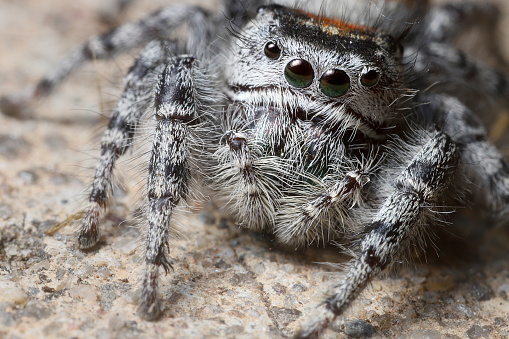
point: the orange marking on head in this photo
(340, 24)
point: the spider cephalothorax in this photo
(326, 71)
(313, 100)
(338, 122)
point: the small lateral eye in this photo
(334, 83)
(299, 73)
(370, 78)
(272, 50)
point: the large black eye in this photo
(299, 73)
(370, 78)
(334, 83)
(272, 50)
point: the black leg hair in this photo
(416, 189)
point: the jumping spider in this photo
(349, 122)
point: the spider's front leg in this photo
(177, 113)
(417, 188)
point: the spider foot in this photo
(150, 305)
(314, 327)
(88, 234)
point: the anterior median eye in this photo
(272, 50)
(334, 83)
(299, 73)
(370, 78)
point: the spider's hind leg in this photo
(473, 25)
(446, 20)
(133, 103)
(451, 70)
(160, 24)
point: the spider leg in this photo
(417, 187)
(240, 11)
(177, 105)
(480, 157)
(158, 25)
(117, 138)
(114, 9)
(446, 21)
(447, 64)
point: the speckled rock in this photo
(13, 294)
(477, 331)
